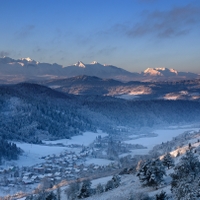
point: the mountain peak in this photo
(80, 64)
(161, 68)
(161, 71)
(94, 62)
(26, 59)
(152, 71)
(173, 71)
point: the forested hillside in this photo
(144, 113)
(8, 150)
(31, 112)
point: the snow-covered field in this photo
(127, 96)
(97, 161)
(33, 152)
(85, 139)
(162, 136)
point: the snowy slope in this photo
(167, 73)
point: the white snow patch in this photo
(98, 161)
(33, 153)
(85, 139)
(127, 96)
(162, 136)
(102, 181)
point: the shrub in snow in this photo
(116, 180)
(109, 185)
(99, 189)
(72, 191)
(140, 196)
(58, 193)
(42, 196)
(161, 196)
(45, 184)
(85, 190)
(151, 173)
(113, 183)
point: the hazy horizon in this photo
(134, 35)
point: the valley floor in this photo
(69, 160)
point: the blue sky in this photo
(131, 34)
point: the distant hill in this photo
(87, 85)
(26, 69)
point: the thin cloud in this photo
(25, 31)
(107, 51)
(101, 52)
(163, 24)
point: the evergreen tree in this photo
(50, 196)
(99, 189)
(58, 193)
(168, 161)
(9, 150)
(109, 185)
(116, 180)
(161, 196)
(140, 196)
(42, 196)
(185, 179)
(73, 191)
(151, 173)
(85, 190)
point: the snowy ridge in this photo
(31, 69)
(27, 59)
(160, 72)
(80, 64)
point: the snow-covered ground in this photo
(33, 152)
(98, 161)
(162, 136)
(85, 139)
(127, 96)
(102, 181)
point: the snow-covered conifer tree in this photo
(151, 173)
(185, 179)
(168, 161)
(85, 190)
(109, 185)
(99, 189)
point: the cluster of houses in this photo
(66, 166)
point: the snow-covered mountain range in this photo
(167, 73)
(26, 69)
